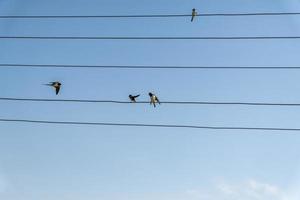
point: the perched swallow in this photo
(194, 14)
(132, 98)
(153, 99)
(56, 85)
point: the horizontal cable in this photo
(149, 125)
(148, 15)
(140, 67)
(149, 38)
(147, 102)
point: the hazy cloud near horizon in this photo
(247, 190)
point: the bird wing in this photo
(57, 90)
(156, 99)
(136, 96)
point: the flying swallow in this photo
(153, 99)
(132, 98)
(194, 14)
(56, 85)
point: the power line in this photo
(149, 15)
(145, 67)
(147, 102)
(149, 125)
(149, 38)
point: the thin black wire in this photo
(149, 38)
(149, 125)
(141, 67)
(148, 16)
(147, 102)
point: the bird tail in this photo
(48, 84)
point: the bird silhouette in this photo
(153, 99)
(55, 85)
(132, 98)
(194, 14)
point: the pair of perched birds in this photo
(153, 99)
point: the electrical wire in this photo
(146, 67)
(147, 102)
(148, 125)
(149, 38)
(149, 15)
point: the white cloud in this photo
(227, 189)
(246, 190)
(250, 189)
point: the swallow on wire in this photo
(194, 14)
(56, 85)
(133, 98)
(153, 99)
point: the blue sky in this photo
(80, 162)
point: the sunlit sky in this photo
(68, 162)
